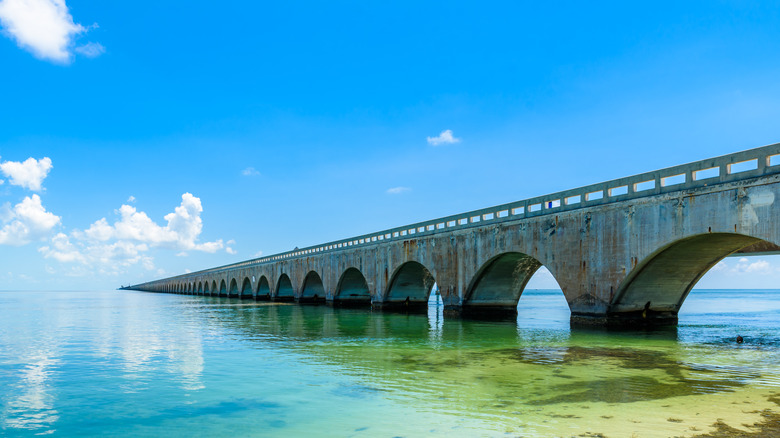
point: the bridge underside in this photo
(498, 287)
(353, 290)
(409, 289)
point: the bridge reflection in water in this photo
(519, 372)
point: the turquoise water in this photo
(122, 363)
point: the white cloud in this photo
(28, 174)
(445, 137)
(131, 198)
(110, 247)
(27, 221)
(181, 232)
(397, 190)
(250, 171)
(45, 28)
(109, 257)
(100, 230)
(757, 267)
(744, 265)
(62, 250)
(91, 50)
(230, 250)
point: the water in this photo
(138, 364)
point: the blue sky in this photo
(271, 126)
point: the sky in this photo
(140, 140)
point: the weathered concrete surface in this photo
(629, 258)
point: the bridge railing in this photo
(727, 168)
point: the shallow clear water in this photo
(123, 363)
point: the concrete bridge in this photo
(626, 251)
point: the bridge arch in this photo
(200, 288)
(284, 289)
(658, 285)
(499, 282)
(352, 289)
(233, 290)
(206, 290)
(409, 287)
(222, 288)
(312, 290)
(246, 288)
(263, 289)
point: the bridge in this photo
(626, 251)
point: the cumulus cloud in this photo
(126, 241)
(62, 250)
(28, 174)
(445, 137)
(397, 190)
(45, 28)
(104, 258)
(131, 198)
(26, 221)
(181, 232)
(250, 171)
(744, 265)
(757, 267)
